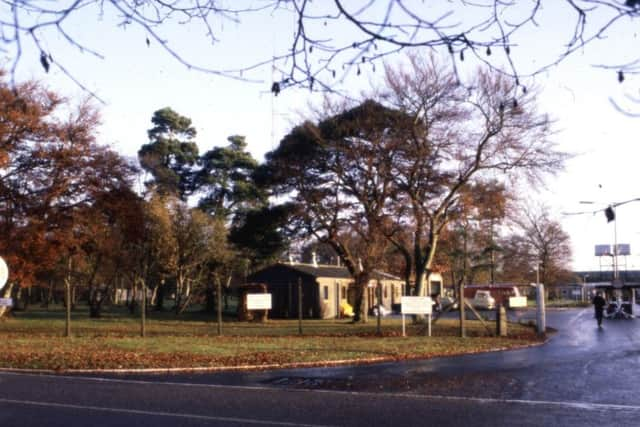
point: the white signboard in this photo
(258, 301)
(6, 302)
(515, 302)
(416, 305)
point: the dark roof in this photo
(332, 271)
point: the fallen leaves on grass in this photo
(110, 345)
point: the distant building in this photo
(324, 289)
(607, 275)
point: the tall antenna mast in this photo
(273, 93)
(273, 105)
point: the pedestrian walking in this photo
(598, 304)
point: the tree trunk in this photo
(179, 289)
(94, 310)
(74, 296)
(50, 293)
(67, 303)
(154, 296)
(408, 269)
(27, 299)
(210, 296)
(361, 281)
(132, 303)
(186, 303)
(420, 278)
(96, 298)
(159, 301)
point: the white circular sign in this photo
(4, 272)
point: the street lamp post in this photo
(612, 215)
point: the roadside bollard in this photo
(501, 321)
(541, 316)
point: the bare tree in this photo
(460, 136)
(331, 39)
(544, 243)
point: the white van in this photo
(483, 300)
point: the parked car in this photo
(483, 300)
(383, 311)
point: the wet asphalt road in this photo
(582, 377)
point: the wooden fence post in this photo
(300, 305)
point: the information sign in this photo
(603, 250)
(258, 301)
(516, 302)
(416, 305)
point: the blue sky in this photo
(135, 80)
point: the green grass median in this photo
(34, 340)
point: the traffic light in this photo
(610, 214)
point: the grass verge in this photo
(35, 341)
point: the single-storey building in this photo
(325, 288)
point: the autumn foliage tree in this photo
(470, 250)
(53, 172)
(114, 231)
(339, 173)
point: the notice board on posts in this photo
(258, 301)
(416, 305)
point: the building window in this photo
(326, 293)
(385, 292)
(344, 292)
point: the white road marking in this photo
(243, 421)
(577, 316)
(566, 404)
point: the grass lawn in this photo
(34, 340)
